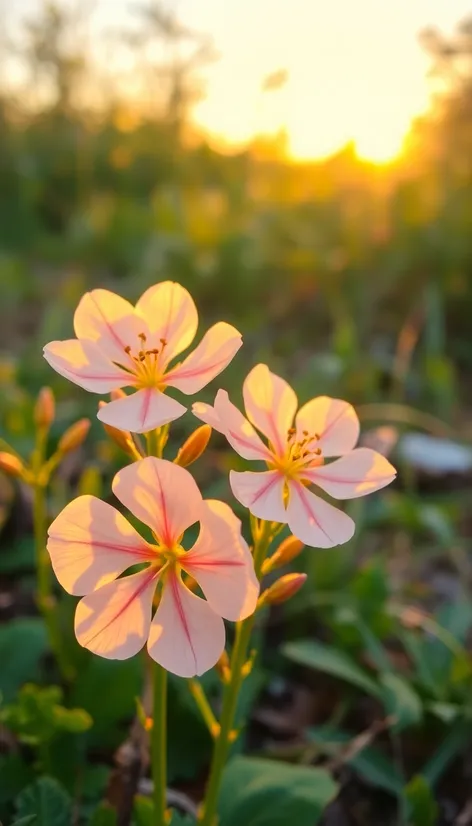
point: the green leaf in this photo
(109, 713)
(369, 763)
(22, 644)
(15, 774)
(178, 819)
(401, 701)
(422, 807)
(185, 725)
(332, 661)
(454, 742)
(143, 811)
(46, 799)
(104, 815)
(259, 792)
(25, 821)
(37, 715)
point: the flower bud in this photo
(195, 445)
(117, 394)
(283, 589)
(74, 436)
(122, 438)
(223, 667)
(44, 409)
(11, 465)
(289, 549)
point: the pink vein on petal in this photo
(262, 450)
(109, 327)
(145, 407)
(123, 608)
(181, 613)
(306, 506)
(162, 501)
(264, 490)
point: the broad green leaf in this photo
(326, 658)
(422, 807)
(369, 763)
(111, 708)
(401, 701)
(447, 712)
(104, 815)
(179, 819)
(26, 821)
(22, 644)
(48, 800)
(455, 741)
(185, 725)
(15, 774)
(259, 792)
(143, 811)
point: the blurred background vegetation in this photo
(350, 278)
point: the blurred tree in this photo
(447, 130)
(181, 55)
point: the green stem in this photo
(159, 744)
(225, 737)
(44, 596)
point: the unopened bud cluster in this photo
(38, 470)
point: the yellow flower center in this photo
(300, 454)
(145, 364)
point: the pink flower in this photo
(91, 544)
(295, 456)
(119, 345)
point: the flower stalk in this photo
(44, 597)
(159, 744)
(262, 535)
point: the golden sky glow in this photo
(355, 68)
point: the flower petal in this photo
(356, 474)
(221, 563)
(114, 621)
(238, 431)
(90, 543)
(186, 636)
(270, 405)
(84, 363)
(334, 420)
(314, 521)
(142, 411)
(262, 493)
(171, 314)
(215, 351)
(206, 413)
(160, 494)
(110, 321)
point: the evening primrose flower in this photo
(119, 345)
(296, 456)
(91, 545)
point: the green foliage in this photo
(37, 716)
(109, 713)
(401, 701)
(265, 793)
(23, 642)
(423, 809)
(47, 801)
(326, 658)
(104, 815)
(370, 763)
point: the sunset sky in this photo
(356, 70)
